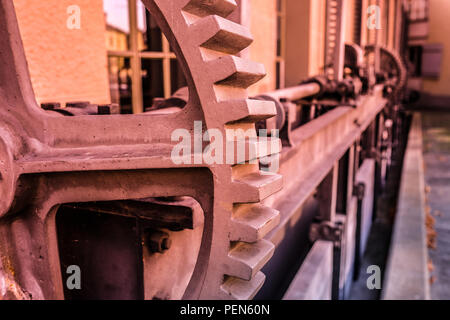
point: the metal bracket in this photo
(328, 103)
(326, 231)
(329, 231)
(359, 191)
(373, 153)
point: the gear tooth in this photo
(238, 289)
(222, 82)
(257, 186)
(245, 259)
(251, 222)
(203, 8)
(246, 110)
(222, 35)
(236, 72)
(260, 110)
(253, 149)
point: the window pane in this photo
(117, 24)
(152, 80)
(149, 37)
(120, 82)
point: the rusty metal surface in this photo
(48, 160)
(84, 182)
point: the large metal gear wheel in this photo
(392, 65)
(40, 168)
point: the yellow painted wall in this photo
(439, 32)
(65, 65)
(116, 40)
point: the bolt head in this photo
(158, 241)
(166, 244)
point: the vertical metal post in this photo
(351, 173)
(337, 257)
(357, 33)
(136, 68)
(358, 192)
(327, 195)
(166, 67)
(377, 45)
(364, 29)
(334, 40)
(399, 26)
(379, 140)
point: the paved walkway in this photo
(436, 150)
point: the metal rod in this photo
(295, 93)
(336, 276)
(359, 192)
(137, 100)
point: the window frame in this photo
(280, 59)
(136, 56)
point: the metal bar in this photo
(357, 33)
(335, 288)
(137, 102)
(359, 193)
(398, 25)
(281, 58)
(143, 54)
(364, 30)
(327, 193)
(166, 67)
(295, 93)
(116, 53)
(157, 55)
(377, 46)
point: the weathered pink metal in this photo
(47, 160)
(211, 227)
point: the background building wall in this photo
(263, 26)
(297, 54)
(65, 65)
(305, 39)
(439, 32)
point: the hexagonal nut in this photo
(158, 241)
